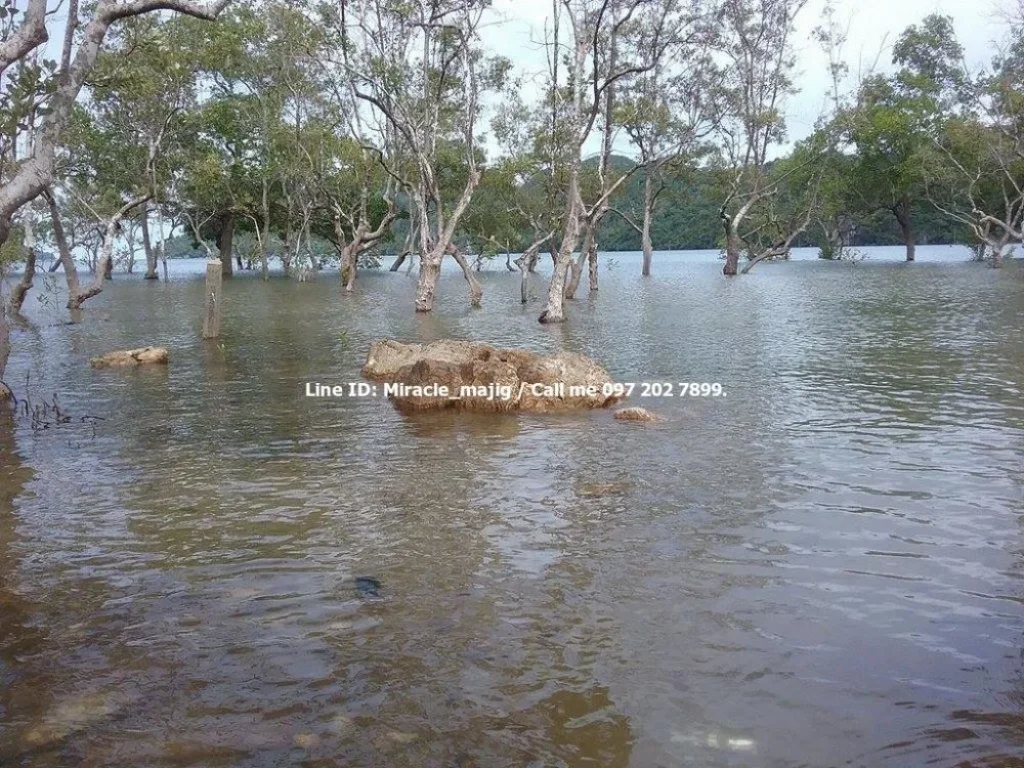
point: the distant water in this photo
(825, 567)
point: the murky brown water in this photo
(823, 568)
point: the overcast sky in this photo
(873, 26)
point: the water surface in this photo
(203, 567)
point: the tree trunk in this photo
(645, 230)
(554, 311)
(264, 263)
(576, 267)
(902, 213)
(521, 262)
(575, 274)
(66, 259)
(212, 314)
(5, 341)
(147, 246)
(225, 242)
(732, 250)
(592, 263)
(350, 264)
(430, 270)
(476, 291)
(286, 254)
(398, 261)
(25, 284)
(108, 267)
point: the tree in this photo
(26, 180)
(667, 113)
(594, 29)
(754, 37)
(420, 68)
(889, 124)
(976, 176)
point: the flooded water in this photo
(203, 567)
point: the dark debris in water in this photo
(367, 586)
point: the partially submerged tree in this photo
(84, 35)
(755, 40)
(421, 68)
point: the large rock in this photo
(473, 376)
(124, 358)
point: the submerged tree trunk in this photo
(350, 264)
(430, 270)
(66, 259)
(576, 266)
(902, 213)
(521, 262)
(225, 242)
(5, 341)
(645, 229)
(147, 246)
(286, 254)
(398, 261)
(24, 285)
(476, 291)
(554, 311)
(732, 247)
(592, 264)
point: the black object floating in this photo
(367, 586)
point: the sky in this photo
(873, 27)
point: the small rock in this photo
(635, 414)
(129, 358)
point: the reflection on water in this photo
(822, 568)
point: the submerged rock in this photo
(73, 714)
(473, 376)
(635, 414)
(126, 358)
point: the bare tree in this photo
(596, 66)
(755, 40)
(419, 67)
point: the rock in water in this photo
(127, 358)
(481, 377)
(635, 414)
